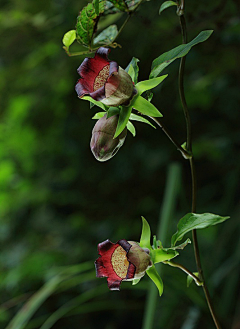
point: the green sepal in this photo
(149, 84)
(123, 119)
(134, 74)
(97, 103)
(131, 128)
(112, 111)
(195, 221)
(146, 235)
(139, 118)
(166, 5)
(135, 281)
(155, 277)
(98, 115)
(160, 63)
(161, 255)
(145, 107)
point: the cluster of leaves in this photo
(87, 23)
(160, 254)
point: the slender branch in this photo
(184, 269)
(192, 166)
(185, 154)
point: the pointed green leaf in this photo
(195, 221)
(131, 128)
(136, 117)
(69, 38)
(161, 255)
(135, 281)
(155, 277)
(159, 64)
(166, 5)
(119, 4)
(135, 67)
(87, 22)
(98, 115)
(123, 119)
(145, 107)
(149, 84)
(146, 235)
(99, 104)
(131, 72)
(106, 36)
(112, 111)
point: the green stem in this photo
(185, 153)
(191, 160)
(169, 200)
(184, 269)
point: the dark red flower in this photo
(121, 261)
(104, 80)
(103, 145)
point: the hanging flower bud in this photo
(104, 80)
(121, 261)
(103, 145)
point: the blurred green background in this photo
(57, 202)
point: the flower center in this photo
(120, 262)
(101, 78)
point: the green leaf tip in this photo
(166, 5)
(145, 240)
(155, 277)
(193, 221)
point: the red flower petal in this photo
(113, 263)
(94, 74)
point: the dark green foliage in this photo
(87, 21)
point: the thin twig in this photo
(185, 154)
(184, 269)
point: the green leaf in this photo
(106, 36)
(87, 22)
(139, 118)
(123, 119)
(195, 221)
(69, 38)
(155, 277)
(180, 246)
(131, 128)
(119, 4)
(146, 235)
(135, 281)
(131, 72)
(98, 115)
(112, 111)
(135, 67)
(145, 107)
(161, 255)
(96, 6)
(160, 63)
(149, 84)
(166, 5)
(99, 104)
